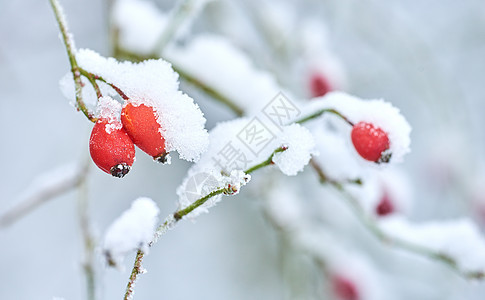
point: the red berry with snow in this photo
(344, 289)
(140, 122)
(319, 85)
(371, 142)
(111, 148)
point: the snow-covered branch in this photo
(172, 219)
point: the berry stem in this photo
(172, 219)
(92, 79)
(70, 49)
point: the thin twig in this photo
(93, 77)
(70, 49)
(137, 270)
(321, 112)
(267, 162)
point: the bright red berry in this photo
(385, 206)
(140, 122)
(370, 142)
(319, 85)
(111, 148)
(344, 289)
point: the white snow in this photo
(154, 83)
(219, 64)
(378, 112)
(301, 148)
(460, 239)
(109, 109)
(133, 230)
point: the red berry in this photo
(111, 148)
(319, 85)
(344, 289)
(370, 142)
(385, 206)
(140, 122)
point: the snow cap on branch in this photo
(133, 230)
(154, 83)
(300, 148)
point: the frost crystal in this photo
(134, 229)
(154, 83)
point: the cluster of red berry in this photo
(112, 147)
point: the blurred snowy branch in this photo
(44, 188)
(393, 241)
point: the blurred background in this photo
(425, 57)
